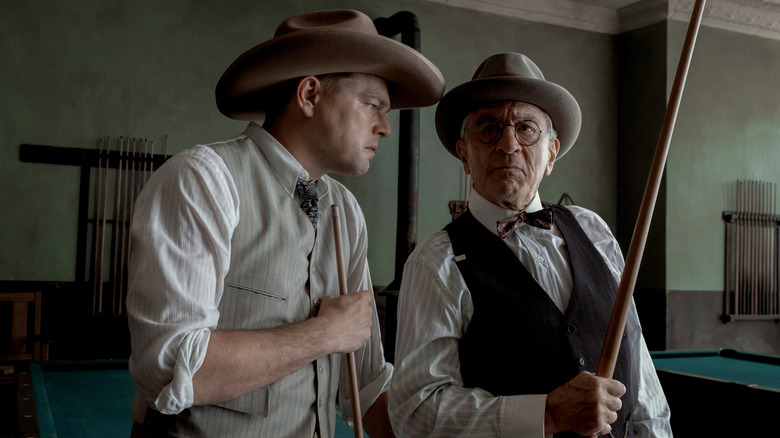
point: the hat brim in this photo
(556, 101)
(412, 80)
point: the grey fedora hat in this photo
(513, 77)
(321, 42)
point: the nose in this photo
(382, 127)
(508, 142)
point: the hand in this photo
(348, 319)
(585, 405)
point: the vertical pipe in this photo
(727, 258)
(738, 252)
(407, 25)
(752, 259)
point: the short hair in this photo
(280, 95)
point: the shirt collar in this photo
(488, 213)
(285, 167)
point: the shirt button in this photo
(582, 361)
(320, 369)
(571, 328)
(540, 259)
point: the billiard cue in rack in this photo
(96, 225)
(357, 420)
(118, 206)
(617, 322)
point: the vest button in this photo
(571, 328)
(581, 361)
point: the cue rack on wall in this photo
(112, 175)
(752, 265)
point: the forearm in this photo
(241, 361)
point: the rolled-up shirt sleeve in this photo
(180, 249)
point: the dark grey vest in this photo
(518, 341)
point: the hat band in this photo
(506, 74)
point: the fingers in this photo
(586, 405)
(348, 319)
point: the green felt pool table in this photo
(719, 393)
(84, 399)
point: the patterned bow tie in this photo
(308, 194)
(542, 219)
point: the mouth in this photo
(507, 169)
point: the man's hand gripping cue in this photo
(585, 405)
(348, 318)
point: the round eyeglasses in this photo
(527, 132)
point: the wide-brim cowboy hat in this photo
(336, 41)
(508, 77)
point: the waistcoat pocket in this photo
(254, 403)
(249, 290)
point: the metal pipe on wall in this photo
(406, 24)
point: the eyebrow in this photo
(381, 100)
(493, 118)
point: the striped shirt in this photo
(434, 309)
(219, 242)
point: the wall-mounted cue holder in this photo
(112, 175)
(752, 263)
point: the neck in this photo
(297, 144)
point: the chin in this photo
(355, 171)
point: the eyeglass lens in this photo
(526, 132)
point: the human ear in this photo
(555, 146)
(462, 150)
(307, 94)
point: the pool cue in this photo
(617, 323)
(357, 420)
(95, 226)
(117, 226)
(130, 172)
(103, 227)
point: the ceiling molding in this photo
(755, 17)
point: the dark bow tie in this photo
(542, 219)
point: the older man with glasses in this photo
(502, 315)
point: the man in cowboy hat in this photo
(236, 322)
(502, 315)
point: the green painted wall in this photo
(77, 71)
(728, 129)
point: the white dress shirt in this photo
(212, 251)
(427, 397)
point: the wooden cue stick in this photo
(617, 322)
(128, 196)
(357, 419)
(103, 227)
(95, 225)
(117, 214)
